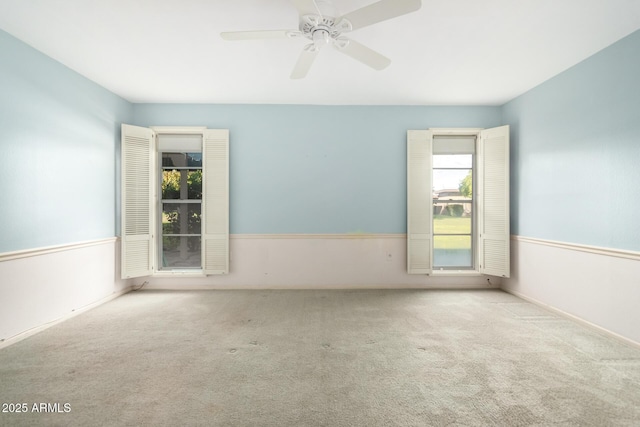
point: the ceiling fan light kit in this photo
(319, 24)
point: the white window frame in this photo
(473, 234)
(141, 259)
(491, 188)
(175, 147)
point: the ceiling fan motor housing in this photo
(322, 29)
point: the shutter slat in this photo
(419, 201)
(216, 201)
(136, 201)
(494, 202)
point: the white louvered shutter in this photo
(137, 205)
(216, 201)
(493, 198)
(419, 201)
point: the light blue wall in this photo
(322, 169)
(576, 152)
(317, 169)
(59, 135)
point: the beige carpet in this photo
(321, 358)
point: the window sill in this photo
(181, 273)
(465, 273)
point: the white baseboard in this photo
(599, 287)
(575, 318)
(175, 286)
(42, 285)
(26, 334)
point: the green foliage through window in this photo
(466, 185)
(171, 184)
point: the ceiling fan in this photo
(321, 24)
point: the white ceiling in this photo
(450, 52)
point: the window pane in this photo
(452, 251)
(452, 161)
(181, 252)
(452, 219)
(181, 184)
(194, 184)
(181, 160)
(452, 210)
(452, 182)
(194, 159)
(181, 218)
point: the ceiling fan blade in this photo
(305, 61)
(306, 7)
(362, 53)
(381, 11)
(259, 35)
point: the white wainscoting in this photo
(318, 261)
(599, 286)
(43, 286)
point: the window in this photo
(174, 201)
(453, 202)
(180, 208)
(458, 200)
